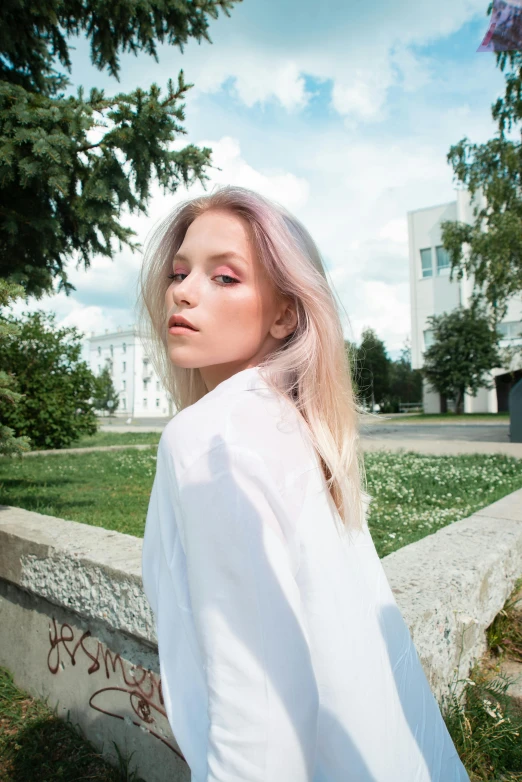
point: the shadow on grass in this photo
(36, 744)
(22, 483)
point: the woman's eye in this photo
(233, 280)
(228, 277)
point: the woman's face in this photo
(219, 286)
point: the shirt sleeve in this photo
(246, 606)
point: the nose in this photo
(183, 290)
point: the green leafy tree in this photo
(72, 165)
(10, 445)
(57, 385)
(373, 369)
(106, 398)
(464, 350)
(489, 250)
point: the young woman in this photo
(283, 654)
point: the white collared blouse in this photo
(283, 654)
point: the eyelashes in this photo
(223, 284)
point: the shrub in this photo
(57, 385)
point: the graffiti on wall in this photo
(138, 686)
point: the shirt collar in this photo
(245, 379)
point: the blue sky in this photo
(342, 112)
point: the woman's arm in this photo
(262, 694)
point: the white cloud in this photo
(290, 190)
(362, 54)
(396, 230)
(255, 79)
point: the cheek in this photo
(244, 311)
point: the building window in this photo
(99, 367)
(157, 385)
(124, 346)
(157, 402)
(112, 350)
(443, 260)
(124, 385)
(511, 329)
(145, 362)
(144, 402)
(124, 403)
(124, 366)
(99, 350)
(145, 381)
(428, 338)
(427, 268)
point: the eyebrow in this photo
(226, 256)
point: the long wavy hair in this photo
(312, 368)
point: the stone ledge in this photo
(90, 570)
(449, 586)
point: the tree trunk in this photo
(458, 402)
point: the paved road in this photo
(483, 433)
(374, 430)
(429, 438)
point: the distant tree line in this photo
(464, 350)
(378, 379)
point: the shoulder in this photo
(258, 421)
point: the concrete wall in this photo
(76, 626)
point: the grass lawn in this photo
(417, 494)
(117, 438)
(414, 494)
(38, 746)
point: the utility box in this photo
(515, 413)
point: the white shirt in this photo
(283, 654)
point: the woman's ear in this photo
(286, 320)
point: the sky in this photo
(342, 112)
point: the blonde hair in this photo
(312, 366)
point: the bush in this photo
(57, 386)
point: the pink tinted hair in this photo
(312, 367)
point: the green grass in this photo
(417, 494)
(484, 721)
(414, 494)
(485, 724)
(108, 489)
(37, 746)
(117, 438)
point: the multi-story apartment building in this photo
(141, 393)
(432, 293)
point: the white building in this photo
(432, 293)
(141, 394)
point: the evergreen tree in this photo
(373, 369)
(72, 165)
(10, 444)
(351, 353)
(106, 398)
(464, 350)
(405, 382)
(490, 249)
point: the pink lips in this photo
(181, 330)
